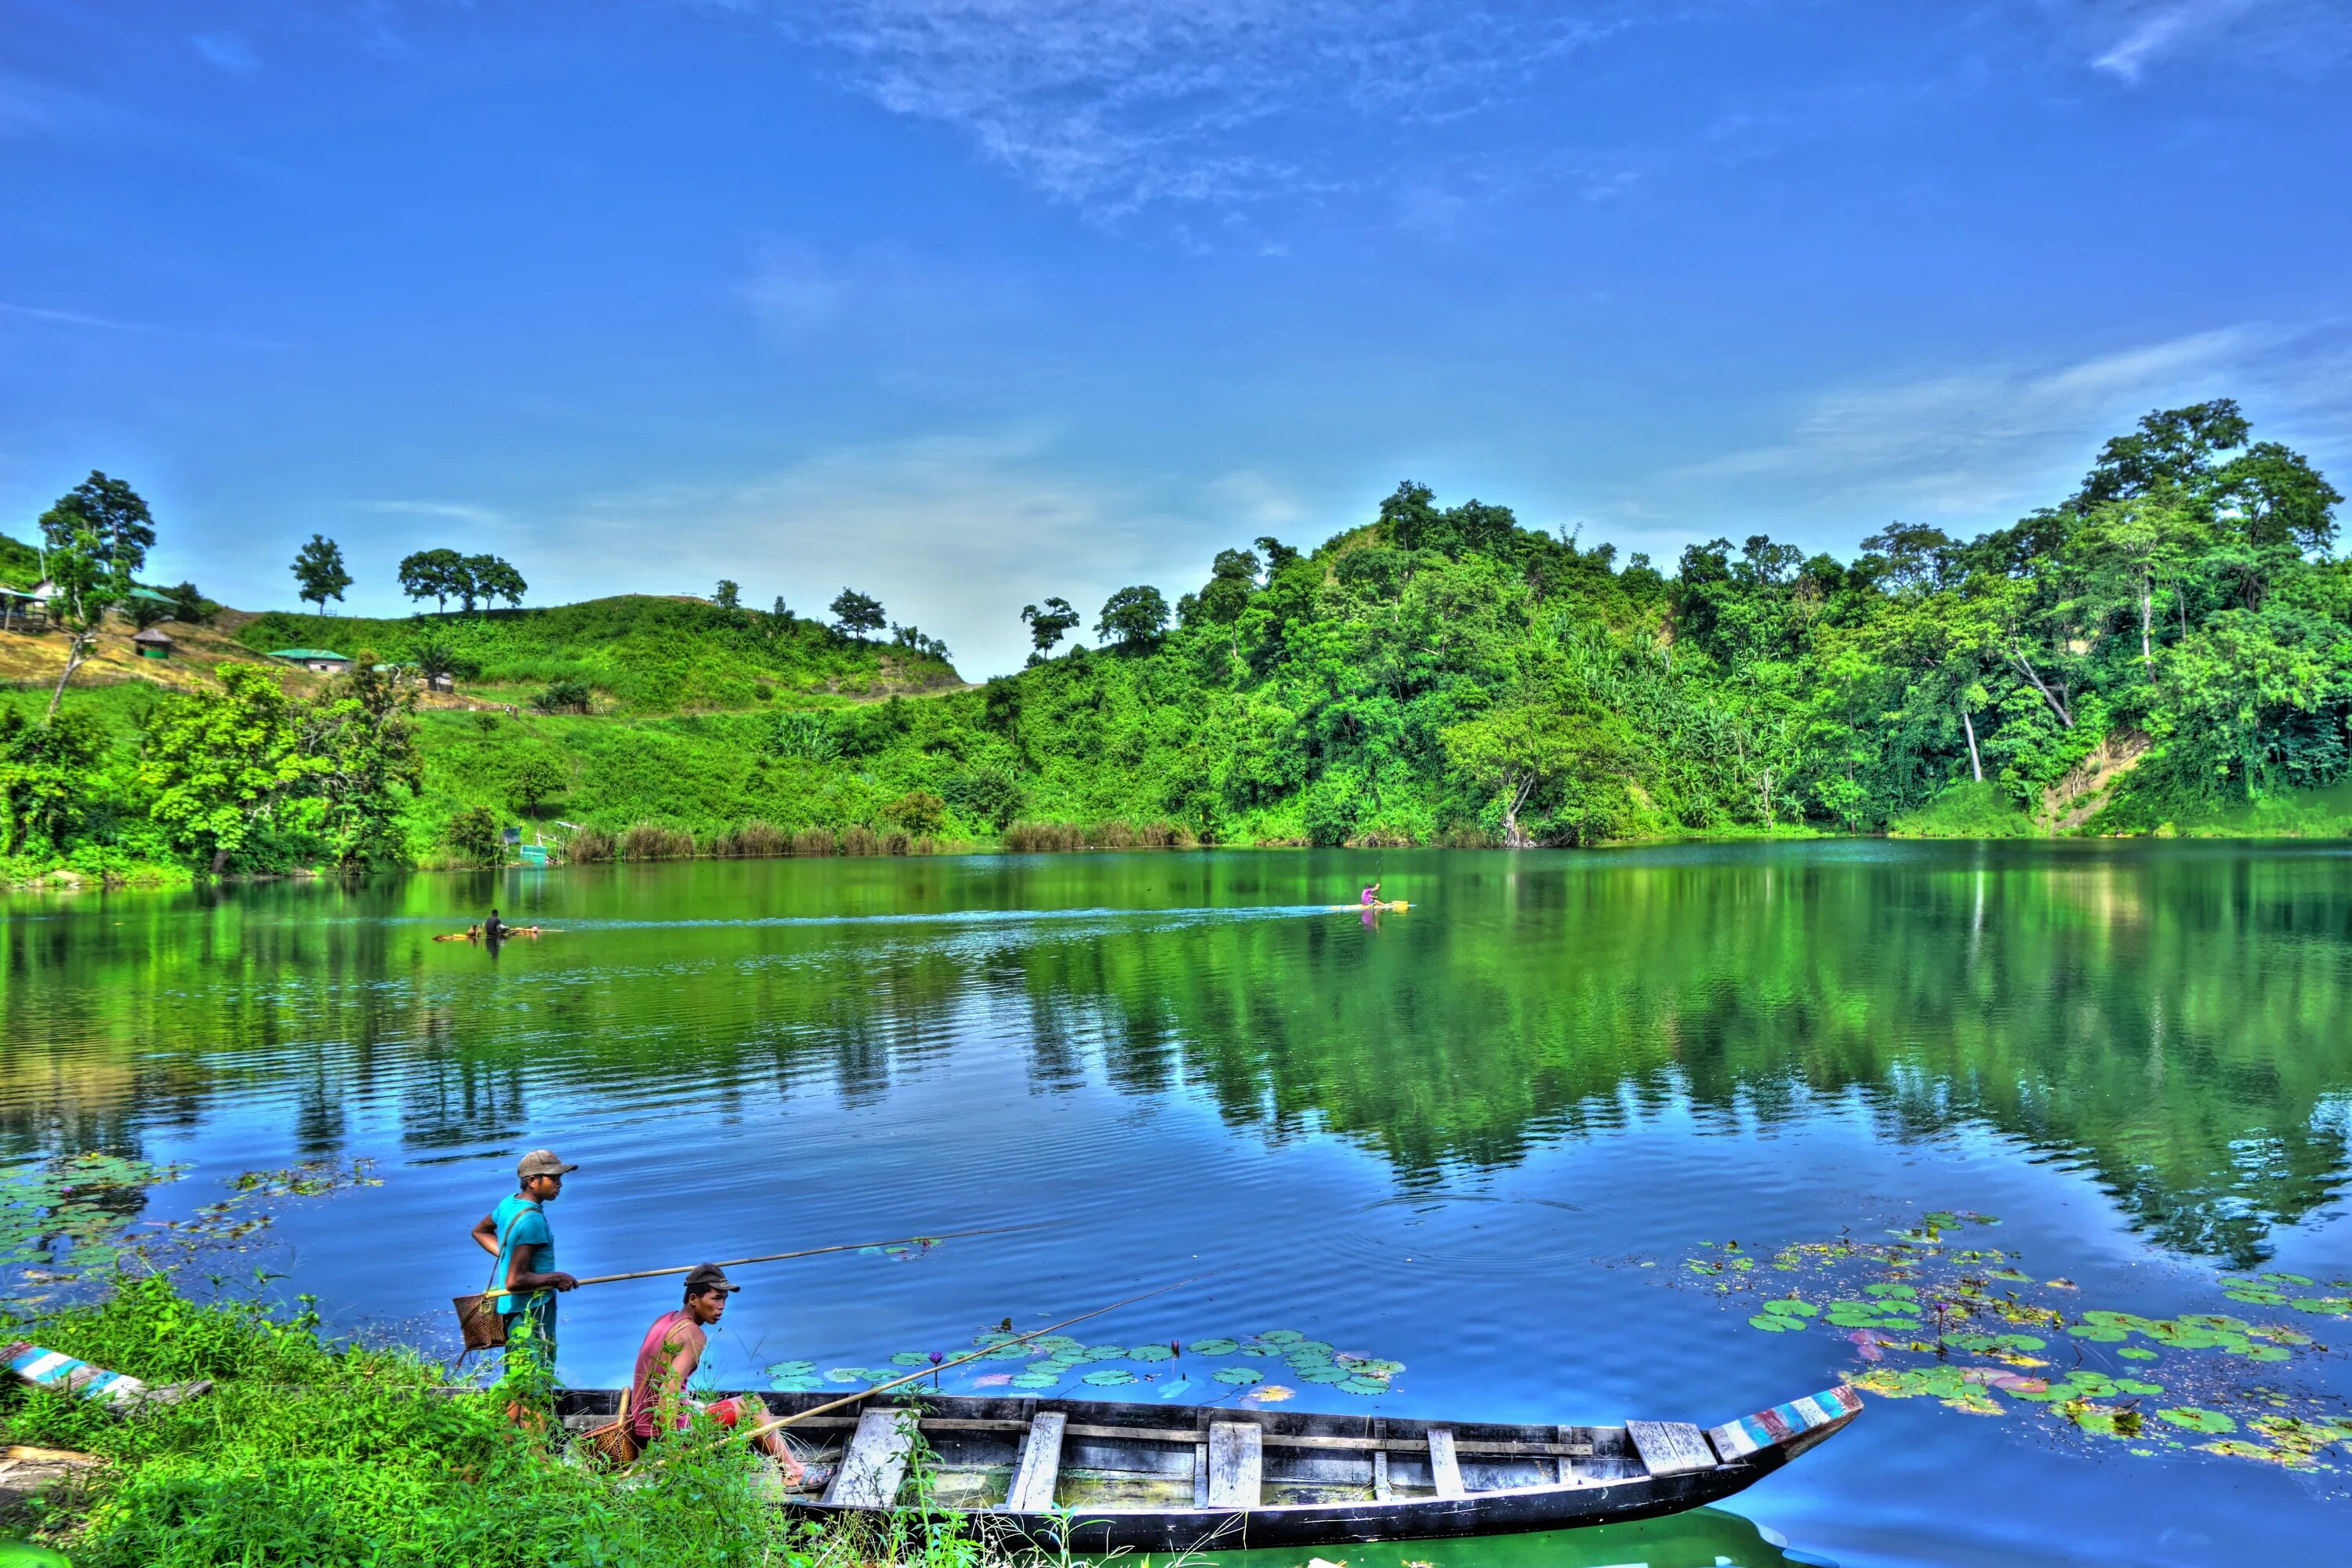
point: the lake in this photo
(1543, 1148)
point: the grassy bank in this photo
(333, 1456)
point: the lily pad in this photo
(911, 1358)
(1036, 1379)
(1240, 1376)
(1363, 1386)
(1112, 1378)
(1904, 1291)
(2135, 1352)
(1292, 1336)
(2304, 1280)
(1326, 1373)
(2197, 1420)
(1151, 1352)
(793, 1368)
(1791, 1309)
(1212, 1347)
(1772, 1323)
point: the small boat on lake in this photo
(1394, 907)
(1104, 1477)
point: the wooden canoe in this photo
(1105, 1476)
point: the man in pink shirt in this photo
(668, 1358)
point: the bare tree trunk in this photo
(1976, 763)
(76, 653)
(1513, 836)
(2147, 611)
(2024, 667)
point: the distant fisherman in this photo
(668, 1358)
(492, 927)
(517, 1234)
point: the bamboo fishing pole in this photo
(814, 1251)
(783, 1421)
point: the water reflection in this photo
(2166, 1015)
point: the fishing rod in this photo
(781, 1421)
(814, 1251)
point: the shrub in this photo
(990, 797)
(1042, 837)
(473, 835)
(564, 696)
(860, 841)
(896, 844)
(652, 841)
(918, 812)
(588, 846)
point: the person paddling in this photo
(517, 1234)
(668, 1358)
(1372, 894)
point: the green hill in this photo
(643, 653)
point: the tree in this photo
(47, 777)
(222, 766)
(2133, 541)
(918, 812)
(1050, 625)
(1528, 745)
(473, 833)
(433, 574)
(147, 611)
(98, 536)
(319, 572)
(1133, 617)
(781, 613)
(486, 577)
(563, 696)
(728, 596)
(856, 613)
(359, 738)
(539, 778)
(437, 659)
(189, 607)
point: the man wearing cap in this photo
(516, 1232)
(668, 1358)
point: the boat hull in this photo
(1098, 1476)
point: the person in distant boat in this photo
(667, 1360)
(517, 1234)
(492, 927)
(1372, 894)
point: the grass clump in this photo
(311, 1453)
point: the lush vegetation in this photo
(309, 1453)
(634, 654)
(2170, 648)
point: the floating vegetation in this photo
(1951, 1323)
(1241, 1376)
(1055, 1360)
(1213, 1347)
(1110, 1378)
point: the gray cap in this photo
(540, 1163)
(708, 1277)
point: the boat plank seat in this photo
(1382, 1491)
(1039, 1465)
(875, 1465)
(1236, 1464)
(1671, 1448)
(1445, 1468)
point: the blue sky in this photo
(966, 302)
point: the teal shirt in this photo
(529, 1230)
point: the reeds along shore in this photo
(765, 841)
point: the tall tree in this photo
(1133, 617)
(487, 577)
(729, 594)
(97, 535)
(319, 572)
(1051, 624)
(434, 574)
(854, 614)
(2133, 542)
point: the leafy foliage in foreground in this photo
(309, 1453)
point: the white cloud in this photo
(1980, 445)
(2127, 37)
(227, 51)
(1115, 105)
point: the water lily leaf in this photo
(1240, 1376)
(1326, 1373)
(1036, 1379)
(2139, 1386)
(1212, 1347)
(1791, 1309)
(1008, 1353)
(1112, 1378)
(1772, 1323)
(848, 1374)
(802, 1384)
(2134, 1352)
(1311, 1347)
(793, 1368)
(1271, 1393)
(911, 1358)
(2287, 1278)
(2098, 1334)
(1151, 1352)
(1904, 1291)
(1363, 1386)
(2330, 1306)
(1261, 1350)
(2257, 1296)
(2269, 1352)
(1292, 1336)
(2197, 1420)
(1057, 1343)
(1375, 1366)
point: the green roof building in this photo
(326, 661)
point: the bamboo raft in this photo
(1104, 1477)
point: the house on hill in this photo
(325, 661)
(441, 682)
(27, 607)
(152, 643)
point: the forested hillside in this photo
(2168, 648)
